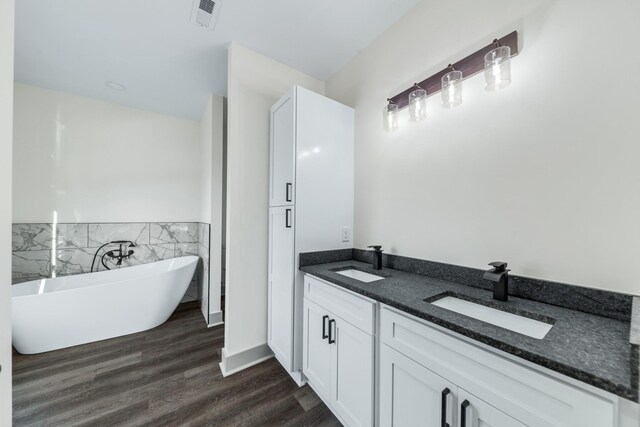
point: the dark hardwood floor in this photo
(168, 376)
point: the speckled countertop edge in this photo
(587, 347)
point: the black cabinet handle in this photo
(443, 411)
(463, 414)
(288, 190)
(332, 339)
(324, 327)
(287, 220)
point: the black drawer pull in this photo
(443, 413)
(332, 339)
(288, 196)
(463, 413)
(287, 220)
(324, 327)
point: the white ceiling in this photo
(170, 65)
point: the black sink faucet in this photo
(377, 256)
(499, 275)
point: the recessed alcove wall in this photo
(100, 172)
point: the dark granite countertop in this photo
(588, 347)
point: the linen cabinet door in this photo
(282, 151)
(281, 282)
(352, 386)
(474, 412)
(411, 395)
(316, 353)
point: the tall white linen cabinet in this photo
(311, 197)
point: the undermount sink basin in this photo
(523, 325)
(359, 275)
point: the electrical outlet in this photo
(346, 234)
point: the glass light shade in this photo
(390, 118)
(418, 105)
(452, 89)
(497, 68)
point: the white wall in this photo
(93, 161)
(543, 175)
(255, 83)
(6, 125)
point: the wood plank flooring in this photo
(168, 376)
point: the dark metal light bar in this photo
(469, 66)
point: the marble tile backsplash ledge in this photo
(39, 249)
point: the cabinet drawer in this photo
(529, 396)
(357, 310)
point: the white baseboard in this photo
(232, 363)
(299, 379)
(215, 319)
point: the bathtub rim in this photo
(194, 258)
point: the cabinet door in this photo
(352, 384)
(316, 353)
(531, 397)
(474, 412)
(412, 395)
(281, 282)
(282, 155)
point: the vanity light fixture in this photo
(417, 104)
(452, 88)
(494, 59)
(497, 67)
(390, 117)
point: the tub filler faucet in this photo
(119, 254)
(122, 252)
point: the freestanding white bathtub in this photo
(50, 314)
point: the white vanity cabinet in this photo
(480, 413)
(338, 350)
(413, 395)
(419, 361)
(317, 350)
(373, 364)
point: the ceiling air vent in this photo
(205, 12)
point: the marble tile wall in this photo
(203, 252)
(635, 322)
(39, 251)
